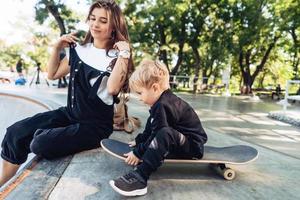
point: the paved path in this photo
(273, 176)
(228, 121)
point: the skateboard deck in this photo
(218, 157)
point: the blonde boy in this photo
(173, 129)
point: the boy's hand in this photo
(131, 159)
(132, 143)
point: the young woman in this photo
(99, 69)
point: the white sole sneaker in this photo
(133, 193)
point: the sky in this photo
(16, 16)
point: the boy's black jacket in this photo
(171, 111)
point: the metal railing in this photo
(290, 97)
(200, 84)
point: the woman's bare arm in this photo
(58, 68)
(118, 75)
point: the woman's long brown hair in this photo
(119, 33)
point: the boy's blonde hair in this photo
(148, 73)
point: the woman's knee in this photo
(14, 134)
(40, 143)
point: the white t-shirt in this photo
(98, 59)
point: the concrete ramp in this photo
(14, 108)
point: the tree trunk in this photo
(249, 79)
(197, 68)
(181, 44)
(208, 69)
(245, 69)
(205, 77)
(194, 43)
(296, 59)
(163, 53)
(261, 81)
(215, 71)
(296, 62)
(260, 67)
(54, 11)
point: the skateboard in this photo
(216, 157)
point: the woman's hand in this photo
(122, 45)
(131, 159)
(132, 143)
(65, 40)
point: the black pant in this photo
(167, 143)
(50, 135)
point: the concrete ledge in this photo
(36, 180)
(289, 117)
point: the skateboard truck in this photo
(226, 172)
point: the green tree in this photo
(255, 36)
(197, 15)
(289, 13)
(39, 53)
(64, 17)
(9, 55)
(208, 38)
(158, 29)
(204, 35)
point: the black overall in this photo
(81, 125)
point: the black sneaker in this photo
(131, 184)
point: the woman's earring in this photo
(113, 35)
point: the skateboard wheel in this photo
(228, 174)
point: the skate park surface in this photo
(227, 121)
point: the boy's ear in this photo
(155, 86)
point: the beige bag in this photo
(122, 122)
